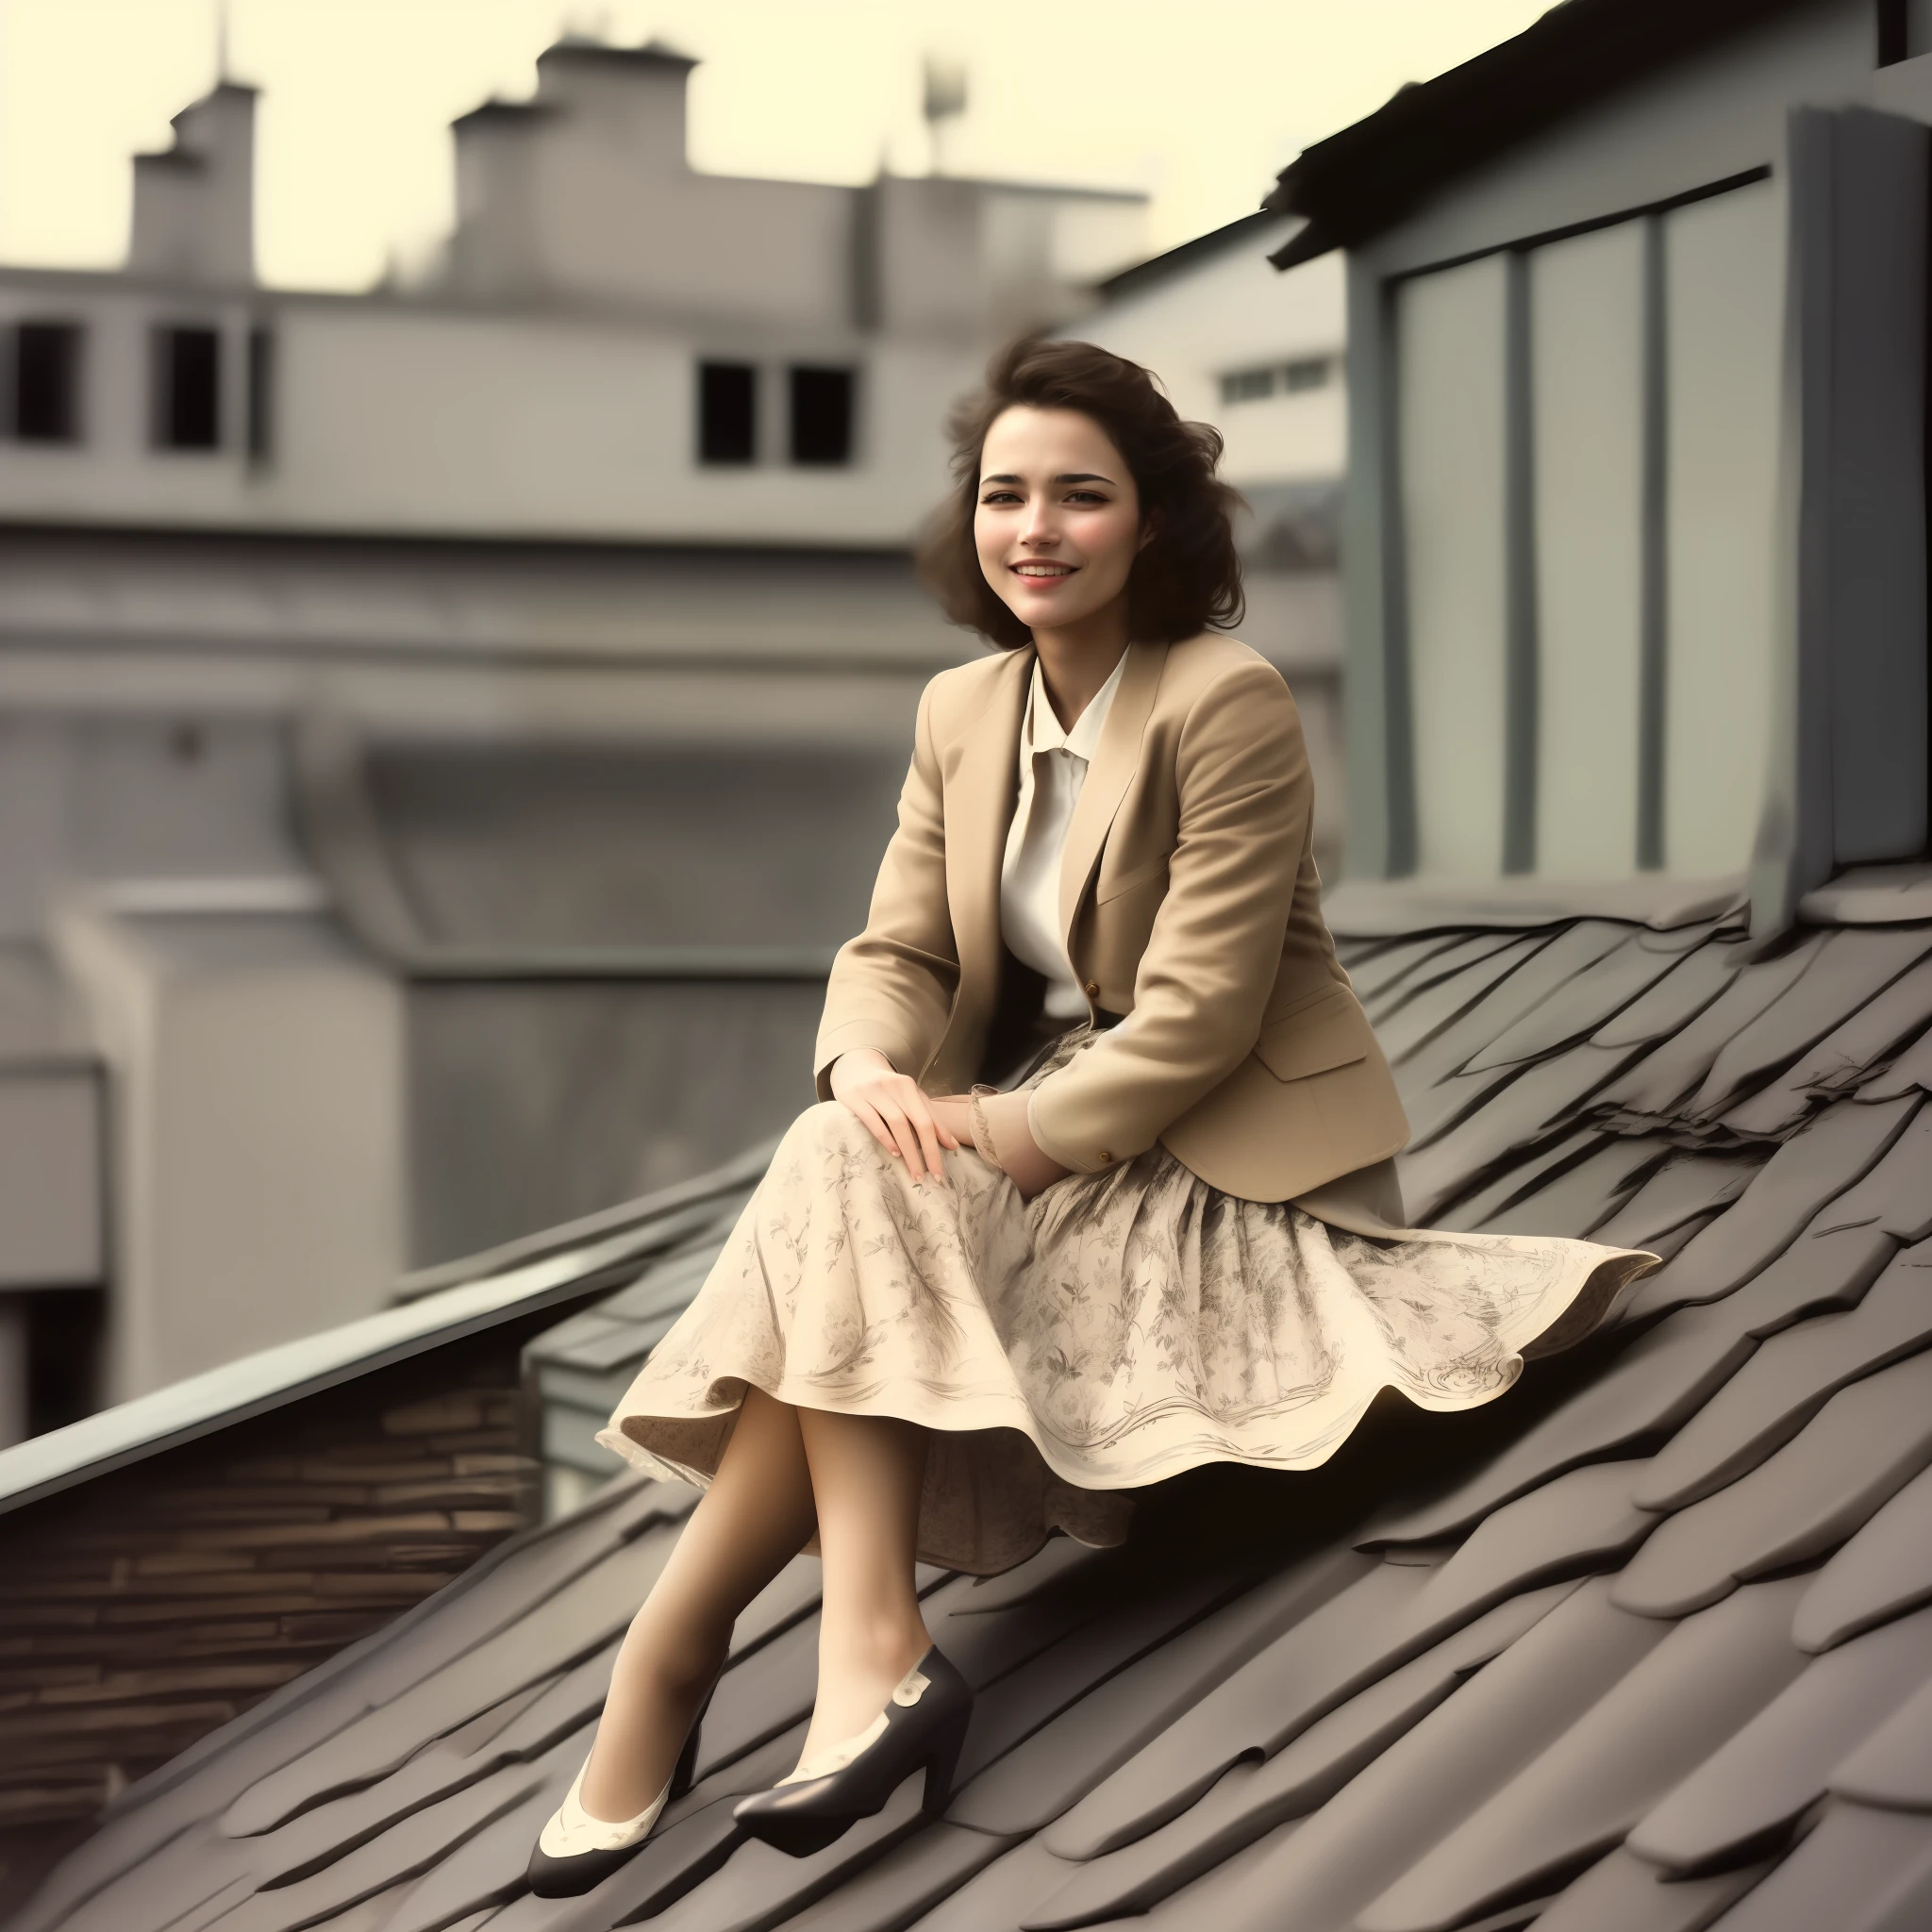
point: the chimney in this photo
(195, 204)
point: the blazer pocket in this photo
(1106, 888)
(1331, 1031)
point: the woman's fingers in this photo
(906, 1135)
(899, 1117)
(869, 1118)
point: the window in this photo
(727, 413)
(821, 415)
(46, 382)
(261, 377)
(187, 388)
(1283, 378)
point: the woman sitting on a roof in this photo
(1100, 1187)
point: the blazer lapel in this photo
(981, 794)
(1115, 759)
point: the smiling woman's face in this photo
(1058, 522)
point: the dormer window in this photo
(187, 387)
(46, 382)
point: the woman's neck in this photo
(1076, 659)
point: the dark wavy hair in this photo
(1188, 575)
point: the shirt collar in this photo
(1044, 732)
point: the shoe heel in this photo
(685, 1773)
(943, 1762)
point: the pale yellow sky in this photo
(1199, 103)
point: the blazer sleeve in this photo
(891, 987)
(1245, 797)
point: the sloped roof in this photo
(1373, 173)
(1641, 1648)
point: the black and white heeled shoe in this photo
(575, 1853)
(923, 1726)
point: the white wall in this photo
(409, 416)
(259, 1156)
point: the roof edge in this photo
(501, 1285)
(1377, 171)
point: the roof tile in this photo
(1885, 1569)
(1578, 1797)
(1577, 1008)
(1839, 1148)
(1840, 1061)
(1894, 1766)
(1670, 1004)
(1844, 1874)
(1320, 1874)
(1845, 972)
(1062, 1761)
(1621, 1893)
(582, 1616)
(1790, 1378)
(1747, 1794)
(1897, 1193)
(1579, 1522)
(1686, 1049)
(1861, 1447)
(1251, 1799)
(1687, 1186)
(1312, 1667)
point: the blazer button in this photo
(1092, 989)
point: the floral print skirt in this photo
(1119, 1328)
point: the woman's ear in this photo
(1150, 528)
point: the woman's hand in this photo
(896, 1111)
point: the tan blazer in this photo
(1190, 904)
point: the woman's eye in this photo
(1085, 496)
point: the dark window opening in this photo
(821, 415)
(261, 377)
(187, 388)
(1308, 372)
(1247, 385)
(46, 382)
(1894, 31)
(727, 413)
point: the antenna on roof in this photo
(945, 100)
(221, 42)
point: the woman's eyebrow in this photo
(1069, 476)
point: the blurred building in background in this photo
(1260, 354)
(444, 732)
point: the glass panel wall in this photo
(1451, 331)
(1723, 315)
(1587, 415)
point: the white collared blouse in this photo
(1053, 767)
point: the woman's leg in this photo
(750, 1523)
(866, 1475)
